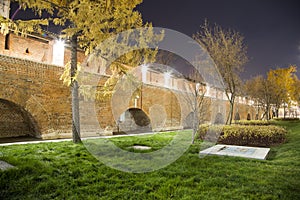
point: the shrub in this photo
(263, 136)
(286, 119)
(210, 133)
(253, 122)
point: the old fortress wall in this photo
(34, 101)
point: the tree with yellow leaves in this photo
(296, 90)
(86, 23)
(283, 81)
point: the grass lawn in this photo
(68, 171)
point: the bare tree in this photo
(196, 102)
(227, 49)
(262, 91)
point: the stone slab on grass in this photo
(238, 151)
(140, 147)
(4, 165)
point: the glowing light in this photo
(144, 72)
(144, 68)
(167, 77)
(60, 43)
(197, 86)
(58, 52)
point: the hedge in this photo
(253, 122)
(243, 135)
(286, 119)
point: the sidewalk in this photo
(15, 141)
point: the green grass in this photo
(68, 171)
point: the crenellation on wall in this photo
(34, 48)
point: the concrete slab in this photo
(238, 151)
(4, 165)
(140, 147)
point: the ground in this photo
(68, 171)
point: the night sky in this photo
(271, 27)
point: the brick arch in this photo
(248, 116)
(164, 107)
(15, 121)
(219, 119)
(28, 101)
(134, 120)
(237, 116)
(188, 122)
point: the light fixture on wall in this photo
(58, 52)
(167, 77)
(136, 101)
(144, 72)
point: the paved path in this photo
(35, 141)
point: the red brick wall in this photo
(37, 89)
(39, 49)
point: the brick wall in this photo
(40, 103)
(33, 48)
(15, 121)
(36, 88)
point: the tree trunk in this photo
(277, 112)
(74, 88)
(268, 112)
(230, 114)
(195, 118)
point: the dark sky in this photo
(271, 27)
